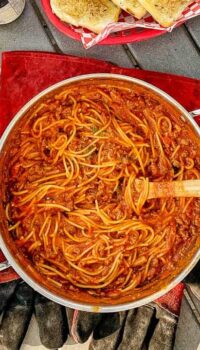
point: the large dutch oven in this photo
(37, 284)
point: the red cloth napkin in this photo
(25, 74)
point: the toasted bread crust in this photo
(131, 6)
(91, 14)
(165, 12)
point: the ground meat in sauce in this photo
(62, 226)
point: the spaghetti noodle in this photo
(69, 187)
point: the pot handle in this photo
(196, 115)
(4, 265)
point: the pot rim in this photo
(25, 276)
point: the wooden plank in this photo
(26, 33)
(193, 27)
(113, 53)
(172, 52)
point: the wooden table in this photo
(177, 52)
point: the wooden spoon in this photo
(185, 188)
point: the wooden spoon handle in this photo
(186, 188)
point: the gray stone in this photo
(193, 26)
(52, 322)
(26, 33)
(16, 318)
(188, 330)
(84, 325)
(108, 325)
(164, 332)
(135, 329)
(109, 342)
(6, 292)
(172, 52)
